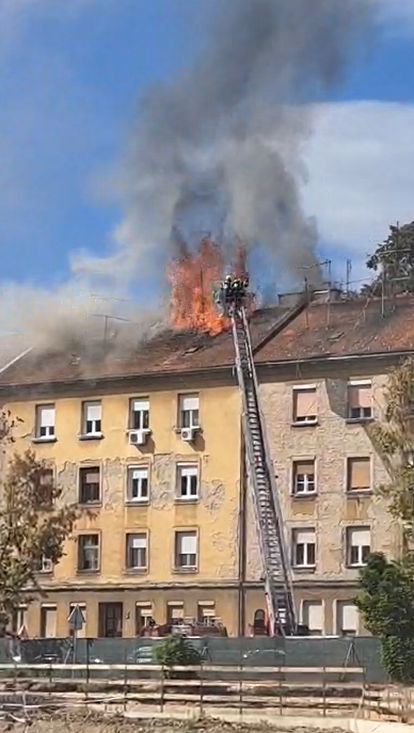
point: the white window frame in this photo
(139, 418)
(338, 610)
(347, 472)
(45, 431)
(189, 410)
(309, 486)
(304, 614)
(183, 560)
(361, 551)
(45, 565)
(144, 472)
(306, 420)
(187, 471)
(95, 429)
(307, 563)
(359, 383)
(82, 547)
(143, 542)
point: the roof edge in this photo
(14, 361)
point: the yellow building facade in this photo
(159, 517)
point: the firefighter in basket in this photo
(234, 290)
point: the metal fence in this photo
(303, 652)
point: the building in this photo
(168, 530)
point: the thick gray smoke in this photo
(219, 148)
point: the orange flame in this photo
(193, 279)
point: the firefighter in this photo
(227, 288)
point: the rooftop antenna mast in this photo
(348, 277)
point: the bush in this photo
(386, 602)
(176, 651)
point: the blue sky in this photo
(71, 74)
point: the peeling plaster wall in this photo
(330, 443)
(215, 515)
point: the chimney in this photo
(327, 294)
(289, 300)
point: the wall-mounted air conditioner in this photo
(138, 437)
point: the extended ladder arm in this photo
(269, 520)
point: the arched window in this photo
(259, 618)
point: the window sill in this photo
(185, 571)
(358, 493)
(137, 502)
(91, 436)
(183, 500)
(304, 568)
(135, 571)
(43, 573)
(309, 424)
(356, 567)
(358, 420)
(307, 497)
(87, 572)
(197, 429)
(93, 504)
(47, 439)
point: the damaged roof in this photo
(347, 327)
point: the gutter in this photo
(345, 358)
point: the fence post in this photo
(201, 706)
(162, 689)
(279, 673)
(241, 671)
(125, 680)
(324, 690)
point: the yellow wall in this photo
(215, 515)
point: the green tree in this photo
(393, 260)
(386, 600)
(34, 522)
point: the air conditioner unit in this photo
(188, 434)
(138, 437)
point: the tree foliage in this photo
(386, 602)
(176, 651)
(394, 440)
(34, 522)
(393, 260)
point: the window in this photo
(346, 618)
(81, 633)
(19, 621)
(304, 548)
(206, 612)
(47, 482)
(188, 406)
(187, 481)
(45, 422)
(143, 616)
(312, 616)
(175, 612)
(43, 565)
(358, 545)
(88, 557)
(359, 400)
(89, 485)
(137, 483)
(303, 477)
(304, 405)
(358, 474)
(91, 418)
(139, 414)
(186, 550)
(48, 617)
(136, 551)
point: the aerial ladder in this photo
(269, 521)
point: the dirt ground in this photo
(93, 723)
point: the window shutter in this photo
(360, 473)
(139, 542)
(304, 467)
(349, 620)
(189, 402)
(360, 537)
(140, 405)
(305, 402)
(313, 615)
(188, 470)
(92, 477)
(139, 473)
(47, 417)
(187, 544)
(305, 536)
(93, 411)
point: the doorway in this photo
(110, 620)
